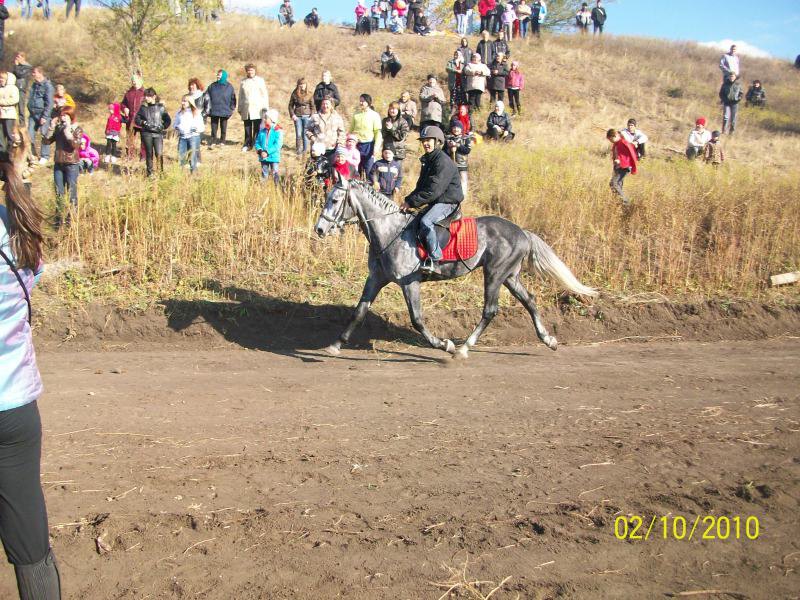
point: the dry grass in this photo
(696, 232)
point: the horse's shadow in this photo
(301, 330)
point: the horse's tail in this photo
(546, 262)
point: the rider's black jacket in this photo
(438, 183)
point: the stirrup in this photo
(429, 266)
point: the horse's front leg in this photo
(372, 288)
(411, 295)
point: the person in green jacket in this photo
(366, 125)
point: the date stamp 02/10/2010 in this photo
(709, 527)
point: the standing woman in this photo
(153, 120)
(253, 99)
(366, 124)
(221, 101)
(476, 73)
(301, 106)
(200, 100)
(23, 515)
(394, 132)
(9, 99)
(326, 128)
(67, 137)
(189, 124)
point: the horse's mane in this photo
(383, 201)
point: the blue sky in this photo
(769, 25)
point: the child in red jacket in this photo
(623, 154)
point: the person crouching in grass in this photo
(623, 155)
(268, 144)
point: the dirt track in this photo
(227, 473)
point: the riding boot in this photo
(39, 581)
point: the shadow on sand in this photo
(258, 322)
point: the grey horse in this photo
(502, 247)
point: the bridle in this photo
(339, 221)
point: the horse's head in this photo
(338, 209)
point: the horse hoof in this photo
(333, 350)
(449, 347)
(551, 342)
(462, 353)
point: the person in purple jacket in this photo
(23, 515)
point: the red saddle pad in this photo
(463, 242)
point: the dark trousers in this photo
(536, 27)
(513, 100)
(65, 176)
(250, 132)
(366, 150)
(73, 4)
(486, 23)
(475, 98)
(617, 180)
(23, 516)
(7, 133)
(597, 27)
(111, 147)
(22, 106)
(640, 150)
(497, 95)
(220, 123)
(153, 149)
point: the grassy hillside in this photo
(697, 232)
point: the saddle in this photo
(458, 238)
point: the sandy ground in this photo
(230, 473)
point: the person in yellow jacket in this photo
(366, 125)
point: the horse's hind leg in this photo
(411, 295)
(528, 300)
(491, 294)
(372, 287)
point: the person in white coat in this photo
(635, 136)
(729, 63)
(189, 124)
(253, 99)
(698, 138)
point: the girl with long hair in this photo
(23, 515)
(188, 122)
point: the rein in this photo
(340, 222)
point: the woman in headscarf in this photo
(498, 124)
(221, 102)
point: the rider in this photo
(438, 187)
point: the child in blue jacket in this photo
(269, 142)
(386, 174)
